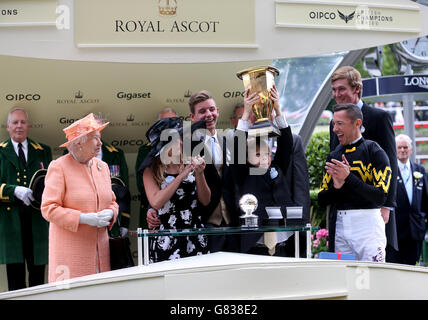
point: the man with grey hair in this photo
(412, 205)
(23, 230)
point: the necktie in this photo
(270, 241)
(407, 182)
(213, 150)
(21, 155)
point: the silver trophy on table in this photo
(248, 203)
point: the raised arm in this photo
(158, 197)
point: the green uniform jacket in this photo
(13, 174)
(115, 158)
(144, 205)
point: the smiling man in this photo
(356, 181)
(203, 107)
(347, 87)
(23, 231)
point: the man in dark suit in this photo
(297, 186)
(297, 177)
(347, 87)
(263, 175)
(203, 107)
(23, 230)
(412, 205)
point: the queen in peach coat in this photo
(79, 204)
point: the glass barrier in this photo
(144, 235)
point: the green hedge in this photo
(316, 154)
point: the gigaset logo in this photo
(64, 120)
(133, 95)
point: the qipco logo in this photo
(125, 143)
(23, 97)
(322, 15)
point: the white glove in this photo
(123, 231)
(105, 215)
(24, 194)
(93, 219)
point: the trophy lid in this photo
(274, 70)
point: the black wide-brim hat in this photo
(37, 185)
(123, 196)
(154, 136)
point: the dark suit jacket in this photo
(411, 216)
(378, 126)
(298, 178)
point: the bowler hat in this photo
(37, 185)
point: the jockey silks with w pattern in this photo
(368, 183)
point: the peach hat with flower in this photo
(81, 127)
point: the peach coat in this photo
(72, 188)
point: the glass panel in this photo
(222, 230)
(300, 81)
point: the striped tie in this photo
(213, 150)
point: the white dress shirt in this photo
(24, 148)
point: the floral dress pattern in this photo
(179, 212)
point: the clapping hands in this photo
(339, 171)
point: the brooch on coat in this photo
(273, 173)
(99, 166)
(417, 175)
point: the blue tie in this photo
(407, 182)
(213, 150)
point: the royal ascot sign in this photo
(344, 15)
(165, 23)
(27, 13)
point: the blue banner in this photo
(395, 85)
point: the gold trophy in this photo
(261, 80)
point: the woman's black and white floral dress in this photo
(179, 212)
